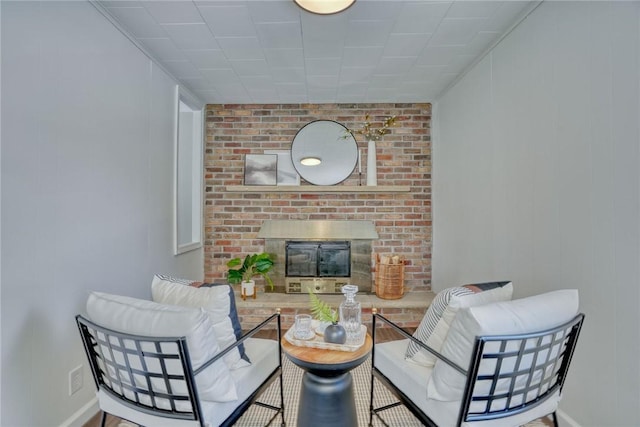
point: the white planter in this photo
(248, 289)
(372, 169)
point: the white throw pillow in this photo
(526, 315)
(147, 318)
(435, 324)
(217, 301)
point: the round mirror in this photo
(324, 152)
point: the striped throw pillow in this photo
(434, 327)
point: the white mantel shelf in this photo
(317, 189)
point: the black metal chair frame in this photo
(565, 336)
(118, 379)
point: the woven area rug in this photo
(292, 377)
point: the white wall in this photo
(87, 175)
(537, 180)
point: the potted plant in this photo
(252, 265)
(333, 333)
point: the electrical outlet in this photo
(75, 380)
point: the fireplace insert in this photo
(319, 266)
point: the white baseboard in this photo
(82, 415)
(566, 420)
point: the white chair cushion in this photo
(264, 359)
(218, 301)
(526, 315)
(147, 318)
(412, 380)
(263, 353)
(435, 324)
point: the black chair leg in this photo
(103, 420)
(555, 419)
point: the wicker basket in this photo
(389, 277)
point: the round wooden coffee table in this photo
(326, 393)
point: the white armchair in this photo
(159, 364)
(501, 364)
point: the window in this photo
(188, 175)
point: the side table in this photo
(326, 393)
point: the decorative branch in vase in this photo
(373, 134)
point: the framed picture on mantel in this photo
(260, 169)
(287, 174)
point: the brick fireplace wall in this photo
(402, 219)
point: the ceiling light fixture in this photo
(310, 161)
(324, 7)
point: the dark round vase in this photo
(335, 334)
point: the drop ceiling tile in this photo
(350, 75)
(385, 80)
(347, 98)
(162, 49)
(280, 35)
(324, 82)
(368, 33)
(320, 49)
(292, 75)
(293, 99)
(182, 69)
(406, 44)
(219, 76)
(241, 47)
(291, 88)
(196, 83)
(421, 17)
(138, 21)
(373, 10)
(263, 96)
(380, 94)
(473, 9)
(257, 82)
(424, 73)
(355, 88)
(321, 96)
(191, 36)
(250, 67)
(173, 12)
(439, 55)
(228, 21)
(361, 56)
(281, 58)
(330, 29)
(395, 65)
(456, 32)
(272, 11)
(323, 66)
(235, 89)
(208, 58)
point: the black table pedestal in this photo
(327, 401)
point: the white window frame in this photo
(188, 174)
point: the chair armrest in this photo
(243, 338)
(419, 343)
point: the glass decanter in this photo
(350, 314)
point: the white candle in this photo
(359, 160)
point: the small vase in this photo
(372, 169)
(335, 334)
(248, 289)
